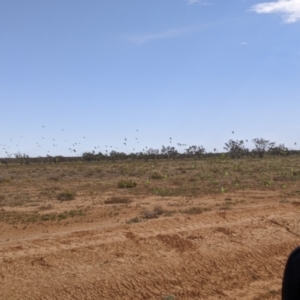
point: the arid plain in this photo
(214, 228)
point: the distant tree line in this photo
(234, 149)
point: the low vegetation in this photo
(15, 217)
(66, 196)
(41, 193)
(126, 184)
(156, 175)
(118, 200)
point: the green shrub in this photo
(126, 184)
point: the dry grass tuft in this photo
(118, 200)
(194, 210)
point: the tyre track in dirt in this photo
(237, 254)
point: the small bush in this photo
(155, 213)
(126, 184)
(61, 217)
(118, 200)
(133, 220)
(66, 196)
(150, 214)
(48, 217)
(156, 175)
(158, 210)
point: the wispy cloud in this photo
(199, 2)
(173, 33)
(289, 8)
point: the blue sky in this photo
(94, 72)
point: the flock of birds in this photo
(74, 150)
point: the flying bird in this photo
(232, 132)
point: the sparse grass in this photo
(14, 200)
(15, 217)
(66, 196)
(203, 177)
(35, 186)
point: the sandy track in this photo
(237, 254)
